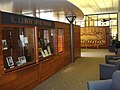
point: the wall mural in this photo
(93, 36)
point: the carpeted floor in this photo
(76, 75)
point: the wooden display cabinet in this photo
(46, 41)
(23, 38)
(18, 46)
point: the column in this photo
(119, 21)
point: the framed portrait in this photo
(10, 61)
(22, 59)
(4, 44)
(18, 63)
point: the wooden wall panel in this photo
(1, 60)
(1, 54)
(62, 25)
(47, 69)
(28, 77)
(5, 79)
(77, 48)
(61, 60)
(20, 79)
(60, 64)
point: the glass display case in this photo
(18, 46)
(45, 42)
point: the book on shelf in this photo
(43, 54)
(49, 50)
(46, 52)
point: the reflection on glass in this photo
(20, 46)
(45, 42)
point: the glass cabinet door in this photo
(45, 42)
(18, 46)
(60, 41)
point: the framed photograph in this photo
(4, 45)
(10, 61)
(22, 59)
(18, 63)
(22, 40)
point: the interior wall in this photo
(119, 26)
(95, 37)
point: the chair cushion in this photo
(116, 63)
(115, 58)
(112, 62)
(116, 81)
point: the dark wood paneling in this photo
(1, 60)
(47, 69)
(62, 25)
(77, 47)
(1, 54)
(28, 77)
(6, 79)
(20, 79)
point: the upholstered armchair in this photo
(110, 84)
(108, 58)
(107, 70)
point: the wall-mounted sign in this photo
(17, 19)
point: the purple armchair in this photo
(107, 70)
(108, 58)
(110, 84)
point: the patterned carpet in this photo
(76, 75)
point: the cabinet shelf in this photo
(25, 43)
(45, 43)
(18, 68)
(45, 58)
(18, 46)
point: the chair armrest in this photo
(116, 58)
(117, 64)
(109, 57)
(106, 71)
(99, 85)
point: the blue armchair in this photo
(108, 58)
(107, 70)
(110, 84)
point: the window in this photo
(109, 19)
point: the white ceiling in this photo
(18, 6)
(67, 6)
(96, 6)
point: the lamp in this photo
(71, 19)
